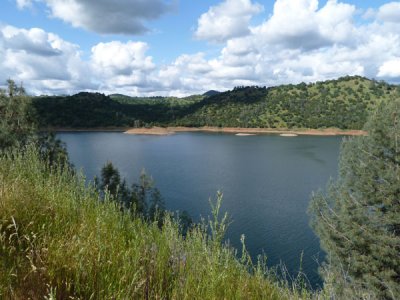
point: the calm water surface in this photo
(266, 180)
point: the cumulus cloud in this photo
(121, 58)
(390, 12)
(390, 68)
(106, 16)
(227, 20)
(121, 64)
(45, 62)
(34, 41)
(301, 40)
(300, 24)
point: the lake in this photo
(267, 181)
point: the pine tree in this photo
(358, 217)
(110, 179)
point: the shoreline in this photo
(245, 131)
(234, 130)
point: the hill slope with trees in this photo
(344, 103)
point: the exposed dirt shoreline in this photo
(244, 131)
(234, 130)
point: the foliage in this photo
(58, 239)
(18, 128)
(15, 124)
(88, 110)
(343, 103)
(143, 199)
(358, 218)
(52, 150)
(110, 179)
(80, 110)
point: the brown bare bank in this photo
(172, 130)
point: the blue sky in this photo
(160, 47)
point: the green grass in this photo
(59, 241)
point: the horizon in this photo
(219, 92)
(176, 48)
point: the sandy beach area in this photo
(244, 131)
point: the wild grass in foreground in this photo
(59, 240)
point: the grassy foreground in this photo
(58, 241)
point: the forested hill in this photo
(342, 103)
(90, 110)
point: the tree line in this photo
(344, 103)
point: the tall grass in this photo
(58, 240)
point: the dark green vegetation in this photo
(141, 199)
(15, 122)
(18, 126)
(344, 103)
(90, 110)
(358, 219)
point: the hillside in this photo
(343, 103)
(211, 93)
(91, 110)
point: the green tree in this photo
(15, 124)
(52, 150)
(143, 199)
(358, 218)
(110, 179)
(141, 192)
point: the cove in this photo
(267, 181)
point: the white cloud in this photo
(299, 41)
(21, 4)
(121, 58)
(390, 12)
(227, 20)
(121, 64)
(34, 41)
(106, 16)
(390, 68)
(302, 41)
(187, 72)
(299, 24)
(43, 61)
